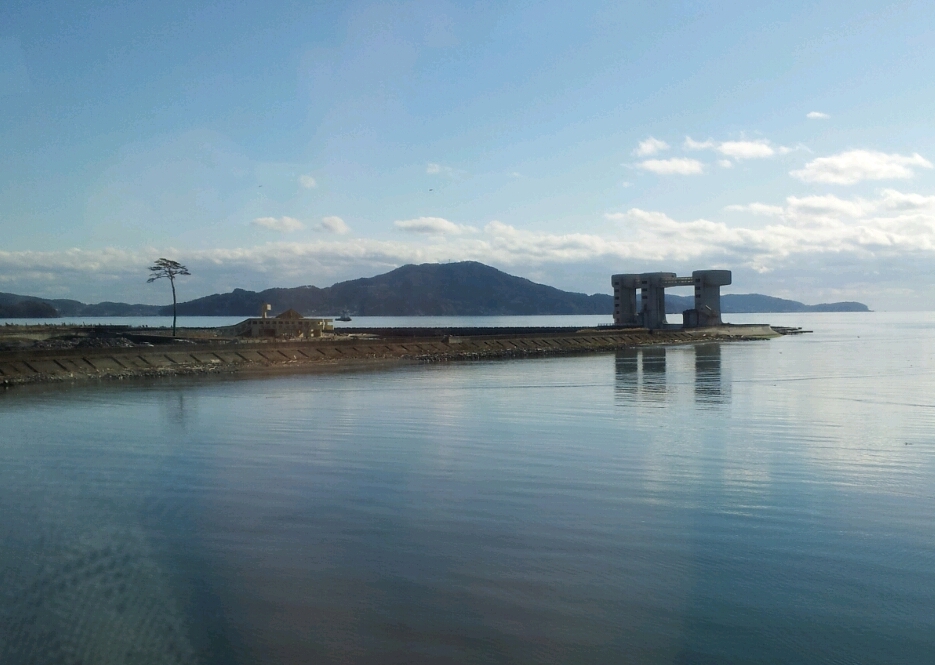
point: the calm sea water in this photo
(754, 502)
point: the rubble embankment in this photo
(128, 356)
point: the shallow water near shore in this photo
(749, 502)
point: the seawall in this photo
(76, 364)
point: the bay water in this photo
(744, 502)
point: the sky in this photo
(275, 143)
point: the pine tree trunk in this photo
(174, 315)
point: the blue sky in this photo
(279, 144)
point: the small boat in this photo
(345, 316)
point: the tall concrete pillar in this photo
(653, 295)
(708, 285)
(626, 312)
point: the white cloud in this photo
(743, 149)
(691, 144)
(848, 168)
(650, 146)
(674, 166)
(333, 225)
(746, 149)
(431, 225)
(281, 224)
(725, 163)
(308, 182)
(440, 169)
(817, 115)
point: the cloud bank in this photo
(844, 243)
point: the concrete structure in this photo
(288, 324)
(707, 311)
(626, 306)
(652, 311)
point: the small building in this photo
(289, 324)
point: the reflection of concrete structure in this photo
(654, 373)
(652, 285)
(288, 324)
(627, 368)
(641, 373)
(708, 388)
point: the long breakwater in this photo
(185, 357)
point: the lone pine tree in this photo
(171, 269)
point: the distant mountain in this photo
(432, 289)
(457, 289)
(751, 303)
(754, 302)
(73, 307)
(27, 309)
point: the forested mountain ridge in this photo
(432, 289)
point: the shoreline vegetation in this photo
(43, 354)
(466, 288)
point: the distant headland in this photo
(466, 288)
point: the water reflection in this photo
(641, 372)
(627, 372)
(647, 373)
(709, 388)
(178, 409)
(654, 372)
